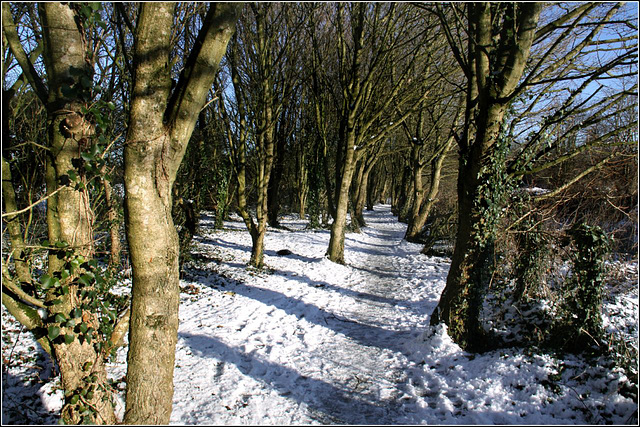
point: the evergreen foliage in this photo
(579, 321)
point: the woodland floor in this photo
(307, 341)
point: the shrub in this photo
(578, 325)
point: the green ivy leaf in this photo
(68, 339)
(96, 150)
(82, 327)
(53, 332)
(86, 11)
(74, 264)
(99, 279)
(46, 281)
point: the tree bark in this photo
(492, 75)
(114, 226)
(273, 191)
(23, 272)
(302, 181)
(422, 203)
(159, 130)
(335, 251)
(69, 214)
(361, 193)
(404, 193)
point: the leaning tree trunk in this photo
(14, 293)
(422, 203)
(69, 214)
(357, 218)
(489, 89)
(331, 203)
(363, 188)
(335, 251)
(160, 128)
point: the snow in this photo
(307, 341)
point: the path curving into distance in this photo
(307, 341)
(310, 341)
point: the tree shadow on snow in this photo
(195, 272)
(327, 403)
(22, 400)
(367, 335)
(358, 295)
(273, 253)
(247, 248)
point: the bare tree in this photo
(370, 63)
(161, 123)
(431, 140)
(260, 62)
(507, 54)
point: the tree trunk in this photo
(488, 96)
(151, 235)
(114, 226)
(159, 130)
(257, 248)
(336, 241)
(362, 198)
(372, 189)
(23, 272)
(357, 218)
(413, 222)
(331, 204)
(273, 192)
(70, 218)
(302, 181)
(405, 194)
(460, 303)
(11, 296)
(422, 205)
(363, 188)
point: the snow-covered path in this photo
(308, 341)
(328, 339)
